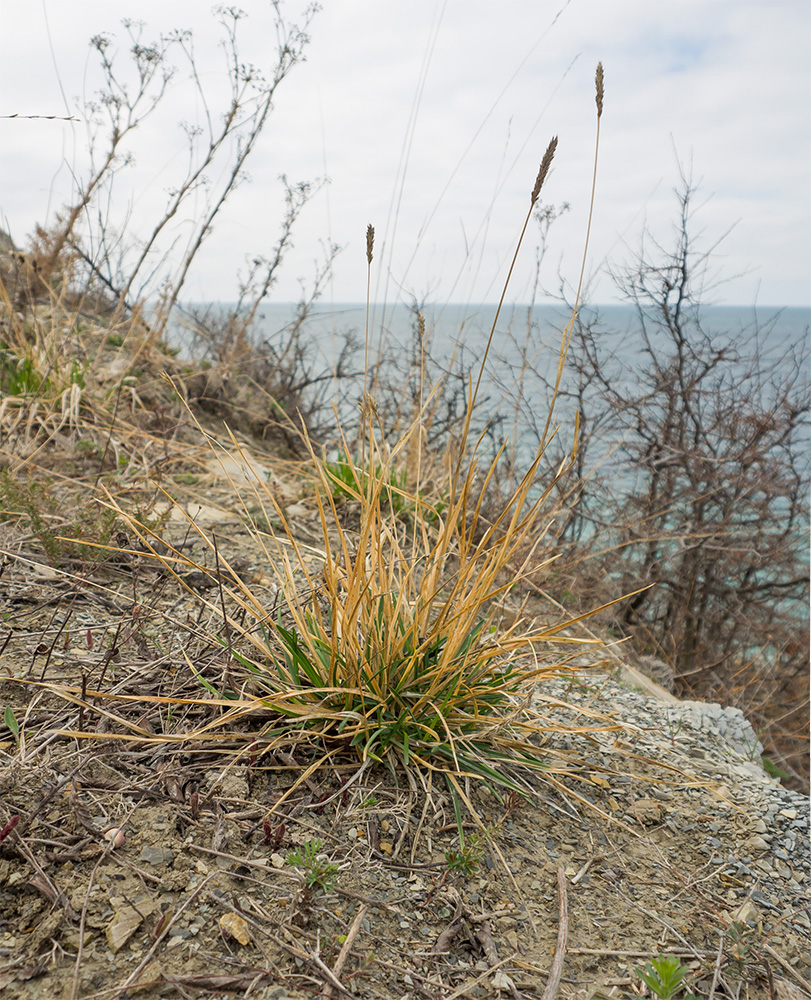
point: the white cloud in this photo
(725, 82)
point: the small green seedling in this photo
(739, 942)
(773, 770)
(664, 977)
(466, 859)
(10, 719)
(318, 872)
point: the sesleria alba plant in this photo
(385, 641)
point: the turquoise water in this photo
(525, 341)
(513, 405)
(454, 328)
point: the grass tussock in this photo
(228, 578)
(383, 639)
(390, 645)
(390, 636)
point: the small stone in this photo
(236, 926)
(759, 826)
(511, 939)
(647, 811)
(72, 939)
(151, 976)
(788, 813)
(126, 922)
(748, 913)
(156, 855)
(757, 843)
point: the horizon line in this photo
(358, 304)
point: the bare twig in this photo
(717, 973)
(556, 971)
(311, 958)
(340, 961)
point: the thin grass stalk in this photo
(543, 171)
(370, 244)
(599, 83)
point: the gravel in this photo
(729, 724)
(751, 829)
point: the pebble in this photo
(156, 855)
(757, 843)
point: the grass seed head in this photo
(370, 242)
(600, 89)
(546, 163)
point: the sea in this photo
(522, 362)
(522, 367)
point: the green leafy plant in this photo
(664, 977)
(739, 943)
(19, 375)
(351, 479)
(62, 537)
(465, 859)
(11, 723)
(78, 374)
(88, 449)
(318, 872)
(773, 770)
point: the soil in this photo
(140, 868)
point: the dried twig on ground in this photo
(556, 971)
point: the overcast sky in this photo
(429, 117)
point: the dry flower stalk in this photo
(546, 163)
(600, 89)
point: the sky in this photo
(429, 119)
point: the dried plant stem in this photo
(556, 970)
(364, 402)
(543, 171)
(567, 335)
(340, 961)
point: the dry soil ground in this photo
(134, 867)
